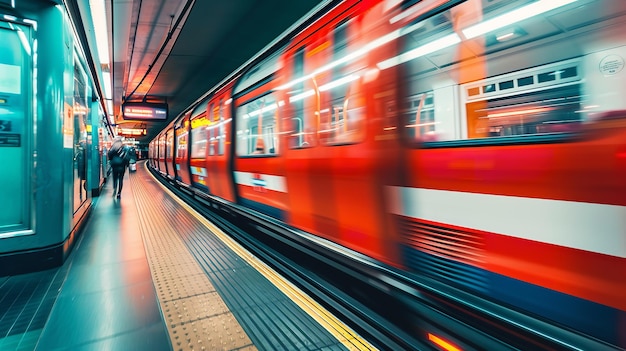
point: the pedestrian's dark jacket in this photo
(118, 157)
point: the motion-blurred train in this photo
(481, 144)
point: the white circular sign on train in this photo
(611, 65)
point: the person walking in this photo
(118, 159)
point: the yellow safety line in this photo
(333, 325)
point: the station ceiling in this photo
(176, 50)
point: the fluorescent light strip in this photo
(106, 76)
(518, 113)
(362, 51)
(339, 82)
(98, 16)
(301, 96)
(514, 16)
(267, 108)
(425, 49)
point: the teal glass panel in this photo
(15, 127)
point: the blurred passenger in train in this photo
(259, 149)
(118, 158)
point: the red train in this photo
(481, 144)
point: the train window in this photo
(211, 129)
(421, 117)
(257, 131)
(568, 72)
(169, 152)
(198, 136)
(181, 143)
(259, 73)
(506, 85)
(538, 112)
(161, 146)
(546, 77)
(545, 100)
(523, 80)
(489, 88)
(221, 136)
(302, 123)
(216, 128)
(199, 122)
(342, 113)
(181, 138)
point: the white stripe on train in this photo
(267, 181)
(592, 227)
(199, 171)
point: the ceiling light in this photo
(98, 16)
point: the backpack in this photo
(119, 158)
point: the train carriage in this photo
(508, 177)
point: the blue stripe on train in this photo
(200, 187)
(585, 316)
(263, 208)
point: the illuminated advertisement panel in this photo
(144, 111)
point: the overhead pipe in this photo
(183, 13)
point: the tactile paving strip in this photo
(194, 308)
(196, 316)
(187, 258)
(224, 335)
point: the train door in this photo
(151, 147)
(181, 131)
(309, 160)
(199, 123)
(258, 165)
(334, 164)
(161, 156)
(220, 179)
(154, 153)
(154, 157)
(170, 168)
(211, 143)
